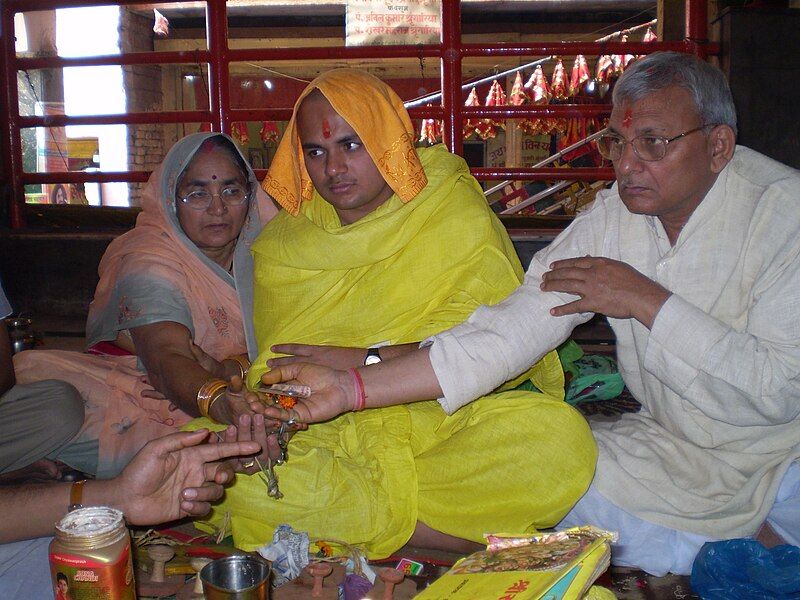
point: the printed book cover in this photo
(552, 566)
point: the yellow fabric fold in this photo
(402, 273)
(380, 120)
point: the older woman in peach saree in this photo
(166, 318)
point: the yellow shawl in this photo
(402, 273)
(379, 118)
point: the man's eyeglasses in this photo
(231, 195)
(646, 147)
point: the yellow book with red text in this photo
(554, 566)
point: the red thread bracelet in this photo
(358, 385)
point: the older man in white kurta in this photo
(693, 256)
(717, 375)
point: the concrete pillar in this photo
(48, 88)
(671, 24)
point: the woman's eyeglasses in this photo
(231, 195)
(646, 147)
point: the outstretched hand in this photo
(334, 357)
(332, 393)
(254, 428)
(234, 403)
(605, 286)
(176, 476)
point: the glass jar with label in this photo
(90, 556)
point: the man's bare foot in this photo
(41, 471)
(768, 536)
(426, 537)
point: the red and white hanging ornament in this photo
(487, 128)
(471, 124)
(540, 95)
(559, 86)
(605, 68)
(621, 61)
(430, 131)
(269, 132)
(580, 75)
(239, 132)
(518, 97)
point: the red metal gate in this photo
(218, 56)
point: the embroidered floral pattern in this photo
(220, 319)
(126, 313)
(122, 426)
(401, 165)
(283, 196)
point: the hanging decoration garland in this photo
(430, 131)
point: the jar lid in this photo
(90, 521)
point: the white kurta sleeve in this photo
(744, 378)
(500, 342)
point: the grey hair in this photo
(706, 84)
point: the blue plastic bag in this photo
(743, 569)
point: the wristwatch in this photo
(373, 357)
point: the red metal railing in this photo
(219, 56)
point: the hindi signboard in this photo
(393, 22)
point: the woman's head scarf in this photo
(159, 196)
(158, 251)
(376, 113)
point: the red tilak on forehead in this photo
(628, 118)
(326, 129)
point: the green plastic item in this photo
(589, 377)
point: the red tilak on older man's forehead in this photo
(628, 118)
(326, 129)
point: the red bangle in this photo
(358, 385)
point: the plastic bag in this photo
(592, 377)
(744, 569)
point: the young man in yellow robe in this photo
(383, 245)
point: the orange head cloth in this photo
(376, 113)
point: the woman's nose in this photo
(217, 206)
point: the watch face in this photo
(372, 357)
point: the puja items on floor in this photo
(332, 570)
(241, 576)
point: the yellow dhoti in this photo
(503, 463)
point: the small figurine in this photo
(197, 564)
(390, 578)
(160, 553)
(319, 571)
